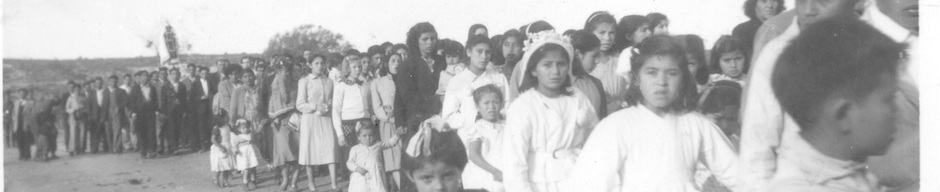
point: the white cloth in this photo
(219, 160)
(542, 139)
(100, 93)
(247, 156)
(459, 108)
(205, 86)
(624, 62)
(615, 84)
(803, 168)
(765, 127)
(368, 158)
(635, 149)
(351, 98)
(146, 89)
(448, 74)
(490, 134)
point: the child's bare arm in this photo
(477, 158)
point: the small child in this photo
(221, 159)
(453, 52)
(365, 159)
(837, 80)
(435, 161)
(247, 156)
(729, 60)
(485, 140)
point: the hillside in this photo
(47, 75)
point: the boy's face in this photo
(489, 106)
(436, 177)
(367, 137)
(872, 119)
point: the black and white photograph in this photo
(470, 95)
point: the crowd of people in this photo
(795, 100)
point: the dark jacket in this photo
(416, 85)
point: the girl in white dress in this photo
(365, 159)
(485, 139)
(221, 158)
(246, 154)
(548, 122)
(655, 143)
(603, 25)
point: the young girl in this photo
(695, 55)
(317, 134)
(729, 60)
(221, 156)
(720, 103)
(364, 159)
(453, 53)
(603, 25)
(659, 24)
(350, 105)
(434, 160)
(654, 144)
(548, 121)
(246, 154)
(383, 106)
(586, 50)
(632, 30)
(459, 111)
(486, 138)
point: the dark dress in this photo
(746, 32)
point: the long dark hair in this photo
(602, 17)
(661, 45)
(530, 81)
(412, 41)
(582, 41)
(693, 45)
(727, 44)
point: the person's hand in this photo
(342, 141)
(401, 130)
(361, 171)
(323, 108)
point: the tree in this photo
(307, 37)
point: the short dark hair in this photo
(445, 147)
(722, 94)
(113, 77)
(478, 39)
(829, 57)
(451, 47)
(655, 19)
(661, 45)
(478, 92)
(529, 81)
(582, 41)
(496, 45)
(376, 49)
(626, 28)
(751, 5)
(727, 44)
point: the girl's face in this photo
(426, 42)
(479, 55)
(606, 33)
(551, 71)
(659, 82)
(367, 137)
(376, 59)
(732, 64)
(766, 9)
(248, 78)
(662, 28)
(727, 120)
(403, 53)
(489, 106)
(393, 62)
(354, 69)
(316, 66)
(512, 49)
(641, 33)
(437, 177)
(452, 59)
(694, 65)
(588, 59)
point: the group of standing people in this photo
(615, 106)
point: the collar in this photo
(818, 167)
(885, 25)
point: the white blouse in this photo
(636, 150)
(542, 138)
(459, 108)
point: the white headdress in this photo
(537, 40)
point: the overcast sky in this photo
(46, 29)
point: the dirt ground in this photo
(127, 172)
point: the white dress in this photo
(368, 158)
(247, 156)
(219, 160)
(459, 108)
(636, 150)
(491, 136)
(542, 139)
